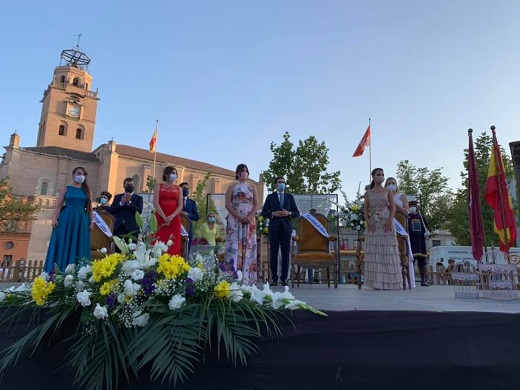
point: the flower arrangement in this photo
(145, 308)
(352, 215)
(262, 225)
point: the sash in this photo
(101, 224)
(184, 233)
(401, 230)
(316, 224)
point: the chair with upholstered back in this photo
(185, 239)
(99, 240)
(314, 250)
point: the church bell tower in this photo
(68, 117)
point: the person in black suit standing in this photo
(280, 207)
(189, 210)
(124, 207)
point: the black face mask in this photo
(129, 188)
(185, 191)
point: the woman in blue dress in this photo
(72, 222)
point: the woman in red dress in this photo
(167, 199)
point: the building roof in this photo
(57, 151)
(126, 150)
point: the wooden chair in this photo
(314, 250)
(99, 240)
(185, 239)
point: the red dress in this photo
(169, 200)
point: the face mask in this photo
(280, 186)
(103, 201)
(173, 176)
(392, 187)
(129, 188)
(79, 179)
(413, 210)
(379, 179)
(211, 219)
(185, 192)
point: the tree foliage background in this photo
(304, 167)
(459, 216)
(13, 209)
(431, 188)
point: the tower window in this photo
(75, 81)
(44, 188)
(79, 133)
(61, 131)
(62, 79)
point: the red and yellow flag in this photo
(497, 196)
(153, 141)
(365, 141)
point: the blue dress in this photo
(70, 240)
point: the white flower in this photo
(70, 269)
(295, 304)
(100, 312)
(258, 295)
(279, 298)
(176, 302)
(169, 243)
(240, 276)
(245, 288)
(138, 274)
(22, 288)
(132, 246)
(129, 266)
(44, 276)
(69, 279)
(83, 298)
(130, 288)
(140, 319)
(198, 257)
(91, 279)
(235, 292)
(103, 250)
(2, 296)
(83, 271)
(121, 297)
(195, 274)
(80, 286)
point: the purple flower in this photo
(148, 282)
(190, 290)
(111, 300)
(51, 274)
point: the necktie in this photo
(280, 198)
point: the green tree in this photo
(13, 210)
(431, 189)
(304, 167)
(459, 213)
(200, 197)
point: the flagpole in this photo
(370, 153)
(502, 209)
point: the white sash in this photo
(316, 224)
(101, 224)
(184, 233)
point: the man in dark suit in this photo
(124, 207)
(280, 207)
(189, 210)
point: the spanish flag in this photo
(497, 196)
(153, 141)
(365, 141)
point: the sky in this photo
(227, 78)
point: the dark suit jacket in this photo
(193, 215)
(126, 212)
(272, 204)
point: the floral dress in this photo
(241, 246)
(382, 262)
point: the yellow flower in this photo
(260, 219)
(172, 266)
(104, 268)
(222, 290)
(355, 208)
(266, 230)
(41, 290)
(107, 287)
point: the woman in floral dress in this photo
(241, 246)
(382, 262)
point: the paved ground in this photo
(432, 298)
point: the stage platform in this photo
(419, 339)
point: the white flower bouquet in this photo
(129, 303)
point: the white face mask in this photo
(379, 179)
(79, 179)
(413, 210)
(392, 187)
(173, 176)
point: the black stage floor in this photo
(347, 350)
